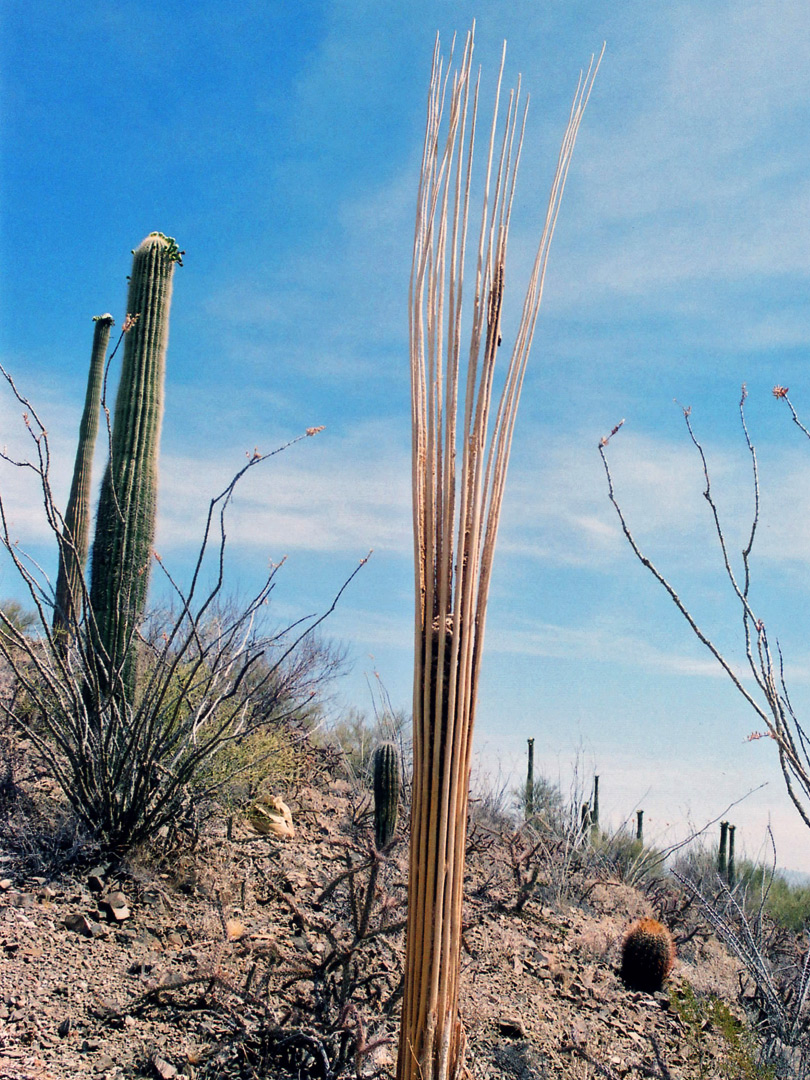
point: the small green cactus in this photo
(648, 953)
(75, 540)
(386, 794)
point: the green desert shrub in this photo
(251, 767)
(786, 903)
(700, 1014)
(547, 801)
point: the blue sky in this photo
(280, 144)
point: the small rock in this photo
(114, 906)
(272, 817)
(80, 924)
(20, 899)
(512, 1026)
(163, 1068)
(65, 1028)
(155, 900)
(5, 884)
(103, 1062)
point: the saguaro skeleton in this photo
(459, 464)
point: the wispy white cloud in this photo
(690, 181)
(330, 494)
(601, 643)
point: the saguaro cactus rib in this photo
(125, 521)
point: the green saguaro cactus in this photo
(125, 521)
(721, 854)
(530, 782)
(595, 806)
(75, 539)
(386, 794)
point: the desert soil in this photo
(215, 963)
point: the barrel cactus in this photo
(386, 794)
(75, 538)
(648, 953)
(125, 520)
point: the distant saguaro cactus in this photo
(648, 953)
(731, 870)
(74, 542)
(595, 805)
(721, 854)
(530, 781)
(125, 521)
(386, 794)
(640, 825)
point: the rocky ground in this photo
(256, 956)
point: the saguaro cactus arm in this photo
(125, 521)
(74, 542)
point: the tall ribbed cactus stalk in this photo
(125, 522)
(74, 543)
(462, 434)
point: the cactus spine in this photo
(648, 953)
(386, 794)
(125, 521)
(75, 540)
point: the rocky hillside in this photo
(253, 955)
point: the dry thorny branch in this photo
(776, 983)
(770, 700)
